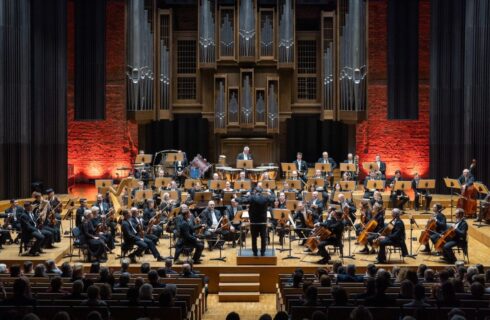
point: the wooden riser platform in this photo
(246, 257)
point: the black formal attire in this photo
(95, 246)
(352, 210)
(396, 238)
(157, 229)
(206, 217)
(104, 208)
(50, 232)
(468, 181)
(368, 194)
(179, 167)
(418, 192)
(188, 238)
(441, 226)
(302, 167)
(300, 221)
(15, 213)
(104, 236)
(337, 228)
(380, 219)
(358, 226)
(381, 167)
(131, 238)
(460, 239)
(139, 221)
(30, 230)
(258, 204)
(399, 197)
(353, 173)
(230, 212)
(319, 206)
(79, 216)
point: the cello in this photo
(445, 237)
(368, 228)
(429, 229)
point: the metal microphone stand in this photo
(350, 255)
(412, 222)
(220, 247)
(70, 236)
(289, 256)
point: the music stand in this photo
(426, 184)
(294, 184)
(227, 196)
(323, 167)
(368, 166)
(202, 197)
(452, 184)
(103, 185)
(291, 204)
(350, 167)
(190, 183)
(217, 184)
(174, 195)
(288, 167)
(376, 184)
(481, 189)
(268, 184)
(143, 195)
(245, 164)
(174, 156)
(242, 185)
(317, 182)
(162, 182)
(290, 195)
(143, 158)
(348, 185)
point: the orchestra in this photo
(322, 212)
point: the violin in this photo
(153, 221)
(225, 223)
(198, 226)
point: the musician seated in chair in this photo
(366, 216)
(188, 238)
(101, 228)
(326, 159)
(281, 226)
(396, 237)
(217, 194)
(347, 205)
(231, 212)
(459, 239)
(420, 192)
(301, 166)
(104, 208)
(132, 235)
(336, 226)
(211, 217)
(29, 230)
(377, 198)
(398, 198)
(304, 220)
(316, 204)
(378, 214)
(148, 214)
(43, 222)
(441, 226)
(355, 161)
(373, 175)
(12, 220)
(138, 223)
(95, 243)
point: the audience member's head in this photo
(265, 316)
(125, 262)
(281, 315)
(152, 277)
(93, 293)
(419, 292)
(361, 313)
(297, 278)
(56, 283)
(325, 281)
(166, 298)
(62, 315)
(406, 289)
(132, 295)
(66, 270)
(371, 270)
(77, 287)
(381, 284)
(138, 282)
(458, 285)
(233, 316)
(471, 272)
(336, 265)
(145, 267)
(21, 288)
(105, 291)
(30, 316)
(40, 270)
(318, 315)
(447, 293)
(370, 286)
(339, 296)
(15, 270)
(28, 267)
(146, 292)
(480, 269)
(162, 273)
(94, 315)
(412, 276)
(124, 279)
(421, 270)
(351, 270)
(443, 276)
(429, 275)
(477, 290)
(311, 295)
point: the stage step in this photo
(239, 296)
(239, 277)
(239, 287)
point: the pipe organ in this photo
(247, 64)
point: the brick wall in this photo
(97, 148)
(404, 144)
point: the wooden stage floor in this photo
(479, 252)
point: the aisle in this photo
(246, 310)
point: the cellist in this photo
(336, 226)
(440, 227)
(397, 237)
(378, 214)
(304, 220)
(459, 238)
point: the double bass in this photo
(467, 200)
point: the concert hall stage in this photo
(479, 241)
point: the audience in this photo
(339, 296)
(406, 289)
(166, 298)
(350, 275)
(311, 296)
(15, 271)
(233, 316)
(418, 300)
(21, 293)
(361, 313)
(93, 297)
(28, 268)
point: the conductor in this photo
(258, 217)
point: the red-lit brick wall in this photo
(403, 145)
(97, 148)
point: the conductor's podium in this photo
(245, 257)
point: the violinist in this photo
(347, 206)
(315, 204)
(419, 192)
(231, 211)
(281, 225)
(188, 237)
(96, 245)
(166, 203)
(396, 237)
(99, 223)
(211, 218)
(29, 230)
(377, 198)
(304, 220)
(54, 203)
(148, 214)
(399, 197)
(13, 214)
(440, 227)
(137, 222)
(41, 212)
(460, 237)
(378, 214)
(228, 187)
(81, 212)
(336, 226)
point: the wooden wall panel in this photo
(264, 150)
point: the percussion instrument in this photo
(201, 164)
(254, 174)
(231, 174)
(271, 169)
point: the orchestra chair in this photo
(332, 249)
(25, 243)
(462, 248)
(127, 249)
(82, 247)
(187, 251)
(394, 249)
